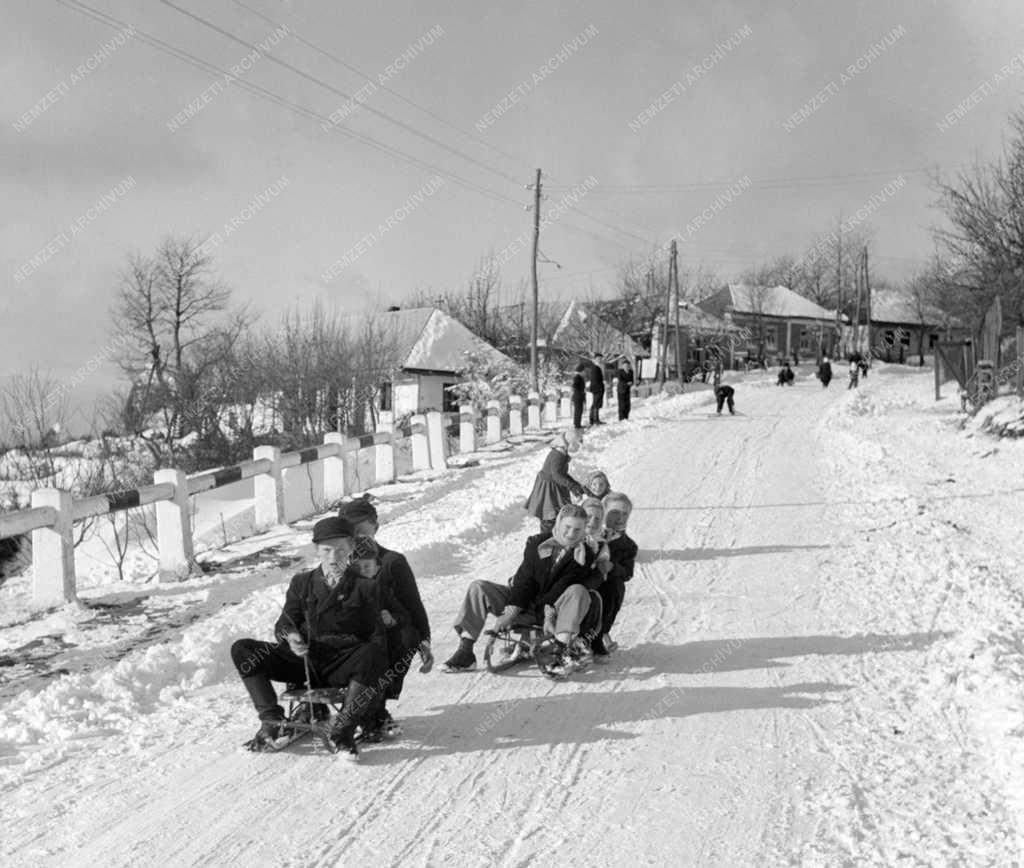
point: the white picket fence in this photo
(53, 512)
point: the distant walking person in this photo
(579, 396)
(854, 374)
(724, 395)
(596, 389)
(825, 372)
(624, 388)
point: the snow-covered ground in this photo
(820, 664)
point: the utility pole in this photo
(675, 280)
(534, 379)
(663, 373)
(867, 304)
(839, 282)
(857, 275)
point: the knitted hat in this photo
(358, 510)
(332, 528)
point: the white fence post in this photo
(53, 552)
(467, 428)
(386, 421)
(565, 405)
(173, 527)
(420, 447)
(493, 422)
(384, 457)
(437, 440)
(515, 414)
(268, 490)
(533, 411)
(334, 470)
(551, 409)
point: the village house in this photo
(775, 321)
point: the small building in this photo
(702, 337)
(900, 328)
(426, 350)
(775, 321)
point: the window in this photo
(450, 401)
(386, 397)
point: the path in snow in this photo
(725, 732)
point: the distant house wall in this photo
(416, 393)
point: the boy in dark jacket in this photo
(724, 395)
(579, 396)
(622, 552)
(332, 618)
(409, 630)
(554, 574)
(786, 375)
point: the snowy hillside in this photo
(819, 664)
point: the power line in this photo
(305, 111)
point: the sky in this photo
(742, 128)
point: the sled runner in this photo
(507, 648)
(312, 712)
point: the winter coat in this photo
(622, 551)
(579, 386)
(596, 379)
(540, 581)
(553, 488)
(825, 372)
(398, 586)
(331, 619)
(625, 380)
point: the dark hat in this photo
(332, 528)
(358, 510)
(366, 549)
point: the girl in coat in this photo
(554, 487)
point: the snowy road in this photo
(756, 713)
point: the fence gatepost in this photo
(334, 469)
(551, 409)
(437, 440)
(533, 411)
(173, 527)
(515, 415)
(420, 447)
(386, 421)
(268, 490)
(53, 551)
(467, 428)
(493, 422)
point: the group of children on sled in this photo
(357, 619)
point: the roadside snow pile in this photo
(1000, 417)
(112, 699)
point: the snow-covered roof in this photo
(427, 339)
(897, 308)
(768, 301)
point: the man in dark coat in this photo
(825, 372)
(786, 375)
(330, 617)
(551, 585)
(579, 395)
(411, 632)
(596, 389)
(624, 388)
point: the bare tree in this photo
(172, 311)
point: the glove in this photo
(297, 644)
(550, 617)
(427, 656)
(385, 616)
(506, 618)
(577, 490)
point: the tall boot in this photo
(359, 702)
(261, 691)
